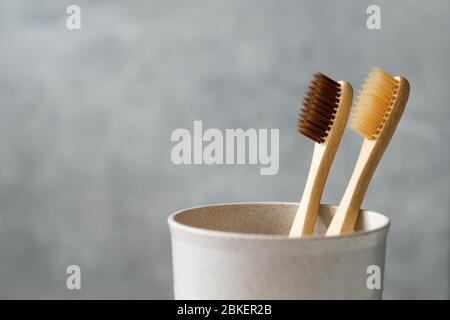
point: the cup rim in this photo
(173, 224)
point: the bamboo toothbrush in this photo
(378, 110)
(323, 118)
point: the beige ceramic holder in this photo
(242, 251)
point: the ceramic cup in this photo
(242, 251)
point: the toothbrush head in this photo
(375, 101)
(319, 108)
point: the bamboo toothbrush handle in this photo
(346, 215)
(306, 213)
(322, 160)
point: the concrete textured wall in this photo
(86, 118)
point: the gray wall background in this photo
(86, 118)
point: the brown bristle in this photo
(319, 108)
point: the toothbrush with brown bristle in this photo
(323, 118)
(378, 110)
